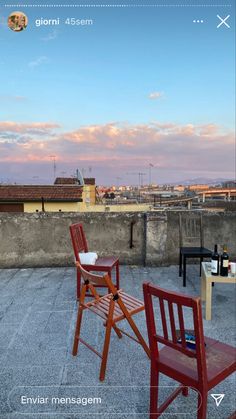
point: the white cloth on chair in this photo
(88, 258)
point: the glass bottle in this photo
(215, 262)
(224, 262)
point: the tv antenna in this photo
(79, 177)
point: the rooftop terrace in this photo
(37, 319)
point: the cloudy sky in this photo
(140, 86)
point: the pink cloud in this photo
(168, 146)
(24, 128)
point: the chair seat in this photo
(196, 251)
(101, 306)
(220, 359)
(103, 262)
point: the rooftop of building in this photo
(37, 320)
(26, 193)
(73, 181)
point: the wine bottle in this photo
(215, 262)
(224, 262)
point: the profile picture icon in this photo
(17, 21)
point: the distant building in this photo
(179, 188)
(89, 187)
(198, 187)
(229, 184)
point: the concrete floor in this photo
(37, 319)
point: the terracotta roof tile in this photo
(16, 193)
(73, 181)
(66, 181)
(89, 180)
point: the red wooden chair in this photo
(112, 308)
(102, 264)
(201, 367)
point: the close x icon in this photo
(223, 21)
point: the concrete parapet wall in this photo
(43, 239)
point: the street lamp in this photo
(53, 158)
(150, 174)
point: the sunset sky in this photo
(141, 85)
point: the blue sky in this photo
(141, 85)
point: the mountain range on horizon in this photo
(203, 181)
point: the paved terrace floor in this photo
(37, 319)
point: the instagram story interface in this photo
(129, 96)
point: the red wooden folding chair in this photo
(200, 365)
(112, 308)
(102, 264)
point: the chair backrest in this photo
(78, 239)
(91, 279)
(94, 279)
(190, 230)
(170, 306)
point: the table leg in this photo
(201, 259)
(203, 288)
(208, 299)
(180, 263)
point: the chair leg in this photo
(78, 283)
(202, 405)
(117, 276)
(79, 320)
(180, 263)
(185, 391)
(106, 341)
(77, 331)
(184, 273)
(154, 393)
(138, 334)
(117, 330)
